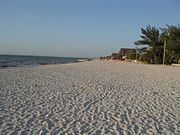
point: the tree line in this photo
(158, 40)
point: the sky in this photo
(79, 28)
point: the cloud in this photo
(30, 15)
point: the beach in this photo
(96, 97)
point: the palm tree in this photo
(152, 37)
(172, 34)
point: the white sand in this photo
(90, 98)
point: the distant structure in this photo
(123, 53)
(126, 51)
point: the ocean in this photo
(19, 61)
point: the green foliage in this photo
(155, 39)
(132, 55)
(151, 37)
(147, 57)
(116, 56)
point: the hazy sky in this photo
(79, 28)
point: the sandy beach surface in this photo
(97, 97)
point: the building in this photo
(123, 53)
(126, 51)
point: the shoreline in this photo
(94, 60)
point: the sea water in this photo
(19, 60)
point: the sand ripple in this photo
(90, 98)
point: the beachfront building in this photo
(125, 52)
